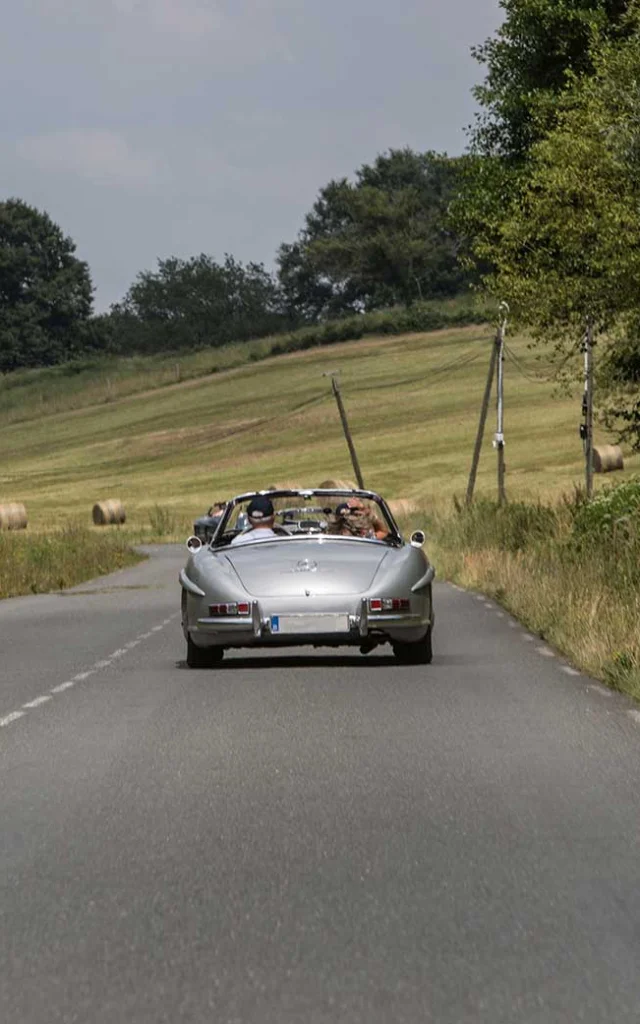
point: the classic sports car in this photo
(333, 570)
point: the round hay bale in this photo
(338, 485)
(607, 458)
(403, 506)
(108, 513)
(13, 516)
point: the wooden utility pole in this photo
(496, 349)
(347, 432)
(586, 430)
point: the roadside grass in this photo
(582, 598)
(56, 560)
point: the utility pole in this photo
(345, 426)
(496, 349)
(498, 441)
(586, 428)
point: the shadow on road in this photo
(264, 664)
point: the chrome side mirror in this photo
(194, 544)
(418, 538)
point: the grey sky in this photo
(150, 128)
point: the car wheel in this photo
(203, 657)
(418, 653)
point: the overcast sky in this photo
(150, 128)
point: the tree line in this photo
(380, 240)
(542, 211)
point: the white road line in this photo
(102, 664)
(514, 625)
(144, 636)
(602, 690)
(118, 653)
(131, 645)
(63, 686)
(570, 671)
(81, 676)
(13, 717)
(156, 629)
(488, 604)
(546, 652)
(635, 715)
(530, 639)
(500, 615)
(38, 701)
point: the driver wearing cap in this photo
(261, 519)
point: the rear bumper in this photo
(255, 629)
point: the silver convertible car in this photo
(331, 570)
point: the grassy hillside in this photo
(413, 402)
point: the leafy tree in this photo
(381, 240)
(527, 62)
(45, 291)
(568, 244)
(196, 302)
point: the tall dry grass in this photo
(577, 589)
(40, 563)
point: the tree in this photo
(528, 60)
(568, 245)
(196, 302)
(541, 47)
(45, 291)
(381, 240)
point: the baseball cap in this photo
(260, 507)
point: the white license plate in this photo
(322, 623)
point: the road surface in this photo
(308, 837)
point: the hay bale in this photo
(13, 516)
(338, 485)
(403, 506)
(108, 513)
(607, 458)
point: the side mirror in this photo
(194, 544)
(418, 538)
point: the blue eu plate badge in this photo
(275, 623)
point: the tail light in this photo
(389, 604)
(229, 609)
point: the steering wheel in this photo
(281, 531)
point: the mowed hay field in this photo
(413, 403)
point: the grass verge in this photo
(41, 563)
(579, 593)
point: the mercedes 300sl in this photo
(332, 570)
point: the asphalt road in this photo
(308, 838)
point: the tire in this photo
(418, 653)
(203, 657)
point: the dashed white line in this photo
(63, 686)
(635, 715)
(513, 625)
(13, 717)
(530, 639)
(546, 652)
(38, 701)
(500, 615)
(570, 671)
(601, 690)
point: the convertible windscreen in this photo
(313, 513)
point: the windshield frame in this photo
(223, 537)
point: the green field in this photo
(413, 402)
